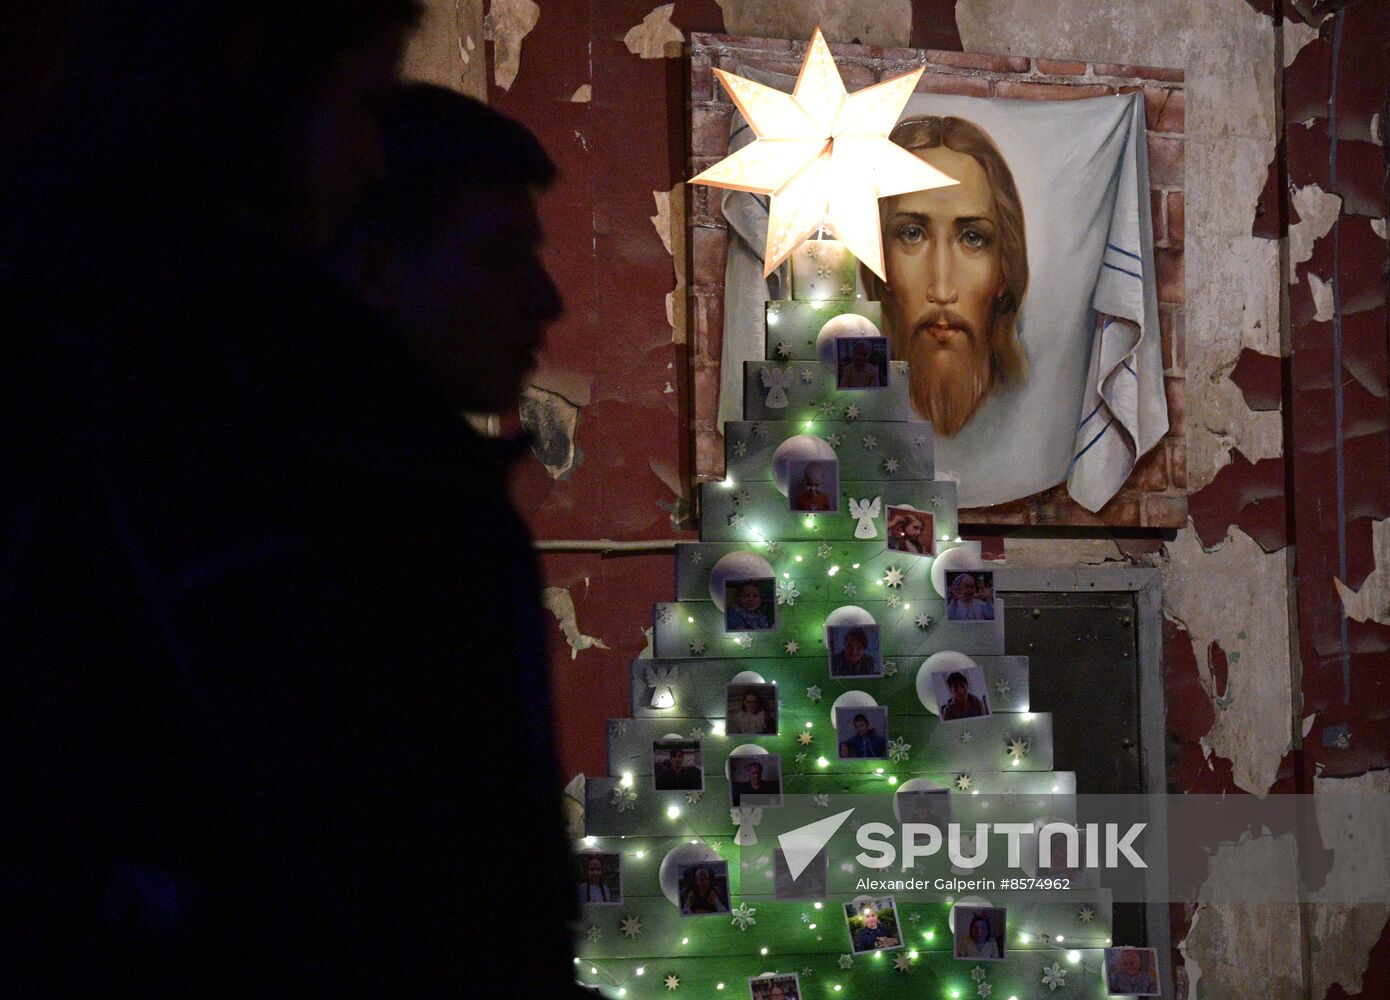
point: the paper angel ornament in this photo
(777, 381)
(746, 819)
(865, 511)
(660, 679)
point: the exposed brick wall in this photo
(1155, 496)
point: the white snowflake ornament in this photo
(808, 375)
(967, 736)
(978, 974)
(850, 590)
(743, 916)
(852, 411)
(984, 990)
(894, 601)
(890, 465)
(1054, 977)
(1086, 914)
(632, 926)
(737, 520)
(784, 349)
(823, 550)
(870, 442)
(1001, 687)
(846, 961)
(899, 749)
(593, 934)
(821, 800)
(890, 668)
(924, 621)
(787, 592)
(623, 799)
(693, 797)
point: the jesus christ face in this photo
(942, 256)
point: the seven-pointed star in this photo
(823, 155)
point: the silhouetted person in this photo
(250, 546)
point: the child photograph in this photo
(1132, 972)
(970, 595)
(979, 933)
(862, 732)
(961, 694)
(873, 925)
(813, 883)
(932, 807)
(861, 362)
(911, 531)
(750, 605)
(677, 766)
(854, 650)
(814, 485)
(704, 888)
(600, 878)
(750, 710)
(779, 987)
(755, 781)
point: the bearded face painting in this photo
(957, 272)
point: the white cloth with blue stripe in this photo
(1093, 399)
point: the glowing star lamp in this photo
(823, 155)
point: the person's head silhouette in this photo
(447, 241)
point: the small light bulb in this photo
(820, 905)
(838, 987)
(912, 955)
(832, 571)
(786, 576)
(931, 935)
(1073, 957)
(878, 770)
(641, 970)
(717, 728)
(673, 812)
(590, 841)
(627, 779)
(1025, 938)
(762, 951)
(690, 619)
(622, 991)
(822, 762)
(1061, 938)
(593, 970)
(1015, 762)
(892, 779)
(718, 986)
(809, 725)
(685, 940)
(810, 927)
(855, 566)
(906, 606)
(798, 558)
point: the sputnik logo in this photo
(800, 846)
